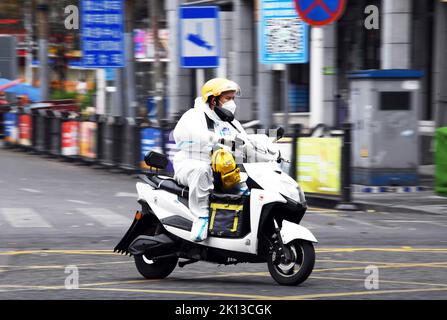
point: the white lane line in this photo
(416, 221)
(78, 201)
(106, 217)
(24, 218)
(30, 190)
(309, 225)
(357, 221)
(126, 194)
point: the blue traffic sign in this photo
(283, 36)
(199, 37)
(102, 33)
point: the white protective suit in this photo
(192, 164)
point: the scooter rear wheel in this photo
(298, 269)
(155, 269)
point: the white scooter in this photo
(255, 224)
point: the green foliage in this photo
(88, 100)
(61, 95)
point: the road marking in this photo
(330, 215)
(83, 285)
(356, 221)
(416, 221)
(354, 262)
(24, 218)
(236, 295)
(315, 209)
(381, 280)
(78, 201)
(106, 217)
(68, 252)
(30, 190)
(126, 194)
(390, 266)
(49, 267)
(322, 250)
(359, 293)
(193, 293)
(310, 226)
(401, 249)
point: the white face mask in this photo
(230, 106)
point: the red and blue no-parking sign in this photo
(320, 12)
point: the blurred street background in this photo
(88, 87)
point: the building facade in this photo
(411, 34)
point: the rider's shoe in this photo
(199, 230)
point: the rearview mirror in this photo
(279, 133)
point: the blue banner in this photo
(102, 33)
(11, 127)
(150, 141)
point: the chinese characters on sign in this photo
(283, 35)
(102, 33)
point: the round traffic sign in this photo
(320, 12)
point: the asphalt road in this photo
(58, 219)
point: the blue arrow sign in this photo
(199, 37)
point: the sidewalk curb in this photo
(365, 206)
(331, 203)
(388, 189)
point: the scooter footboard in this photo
(291, 231)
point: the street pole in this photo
(130, 97)
(200, 80)
(346, 178)
(285, 77)
(29, 42)
(157, 68)
(42, 29)
(158, 75)
(296, 132)
(316, 77)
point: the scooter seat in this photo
(170, 184)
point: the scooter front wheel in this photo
(155, 269)
(293, 271)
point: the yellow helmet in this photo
(223, 163)
(216, 86)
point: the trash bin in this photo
(441, 161)
(88, 144)
(25, 129)
(39, 124)
(69, 135)
(130, 156)
(11, 128)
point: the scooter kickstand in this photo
(181, 264)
